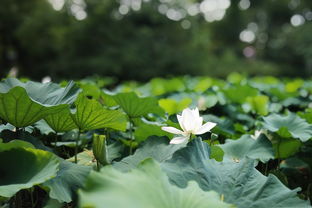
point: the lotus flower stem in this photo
(98, 166)
(131, 137)
(266, 168)
(278, 154)
(76, 146)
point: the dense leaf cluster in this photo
(83, 145)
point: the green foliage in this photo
(14, 144)
(40, 40)
(257, 149)
(172, 106)
(23, 104)
(68, 180)
(146, 186)
(239, 182)
(90, 114)
(247, 160)
(285, 148)
(61, 121)
(22, 168)
(259, 104)
(154, 147)
(144, 130)
(289, 126)
(135, 106)
(217, 153)
(245, 92)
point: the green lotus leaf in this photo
(172, 106)
(61, 121)
(279, 92)
(107, 99)
(239, 182)
(285, 147)
(159, 86)
(258, 149)
(14, 144)
(294, 85)
(24, 136)
(216, 153)
(290, 125)
(43, 127)
(68, 180)
(207, 101)
(90, 115)
(307, 115)
(22, 168)
(203, 84)
(23, 104)
(90, 89)
(6, 127)
(259, 104)
(144, 187)
(52, 203)
(245, 91)
(145, 130)
(154, 147)
(135, 106)
(47, 94)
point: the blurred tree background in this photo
(141, 39)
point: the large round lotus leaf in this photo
(145, 187)
(22, 168)
(90, 115)
(245, 91)
(23, 104)
(258, 149)
(135, 106)
(172, 106)
(61, 121)
(47, 93)
(289, 126)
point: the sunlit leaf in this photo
(23, 104)
(90, 114)
(172, 106)
(259, 104)
(245, 91)
(135, 106)
(61, 121)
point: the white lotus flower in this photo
(191, 124)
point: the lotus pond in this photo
(183, 142)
